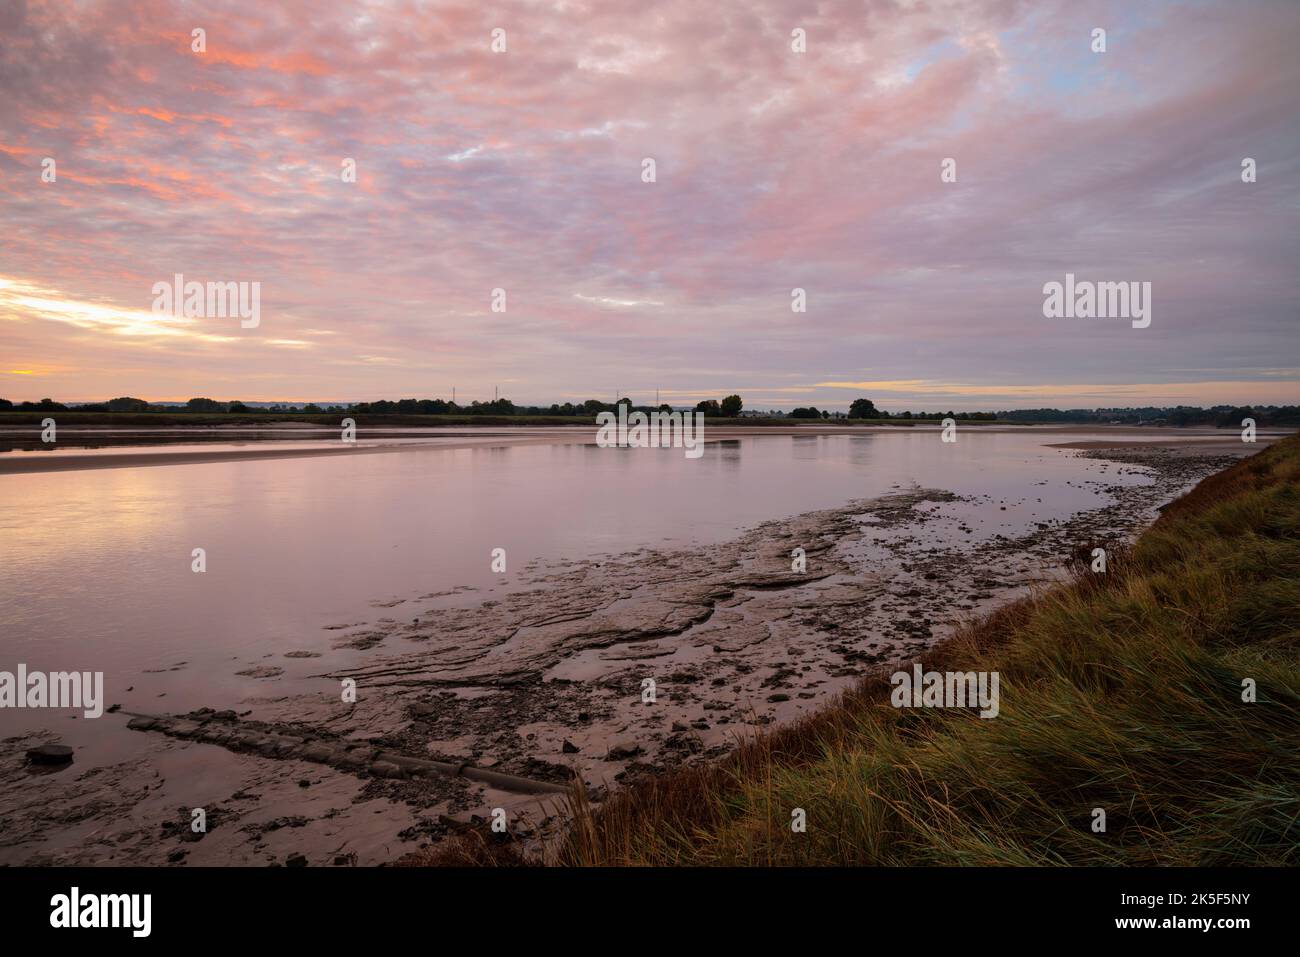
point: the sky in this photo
(523, 170)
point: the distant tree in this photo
(805, 413)
(127, 403)
(238, 407)
(1234, 417)
(708, 407)
(311, 407)
(825, 414)
(863, 409)
(204, 405)
(45, 405)
(6, 404)
(731, 406)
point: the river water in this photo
(97, 568)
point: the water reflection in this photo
(96, 567)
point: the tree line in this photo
(726, 408)
(1220, 416)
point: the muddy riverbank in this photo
(602, 669)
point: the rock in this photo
(680, 726)
(296, 860)
(623, 750)
(569, 747)
(175, 857)
(386, 769)
(774, 698)
(50, 754)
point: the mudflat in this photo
(598, 670)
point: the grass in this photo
(1120, 691)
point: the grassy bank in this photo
(1120, 691)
